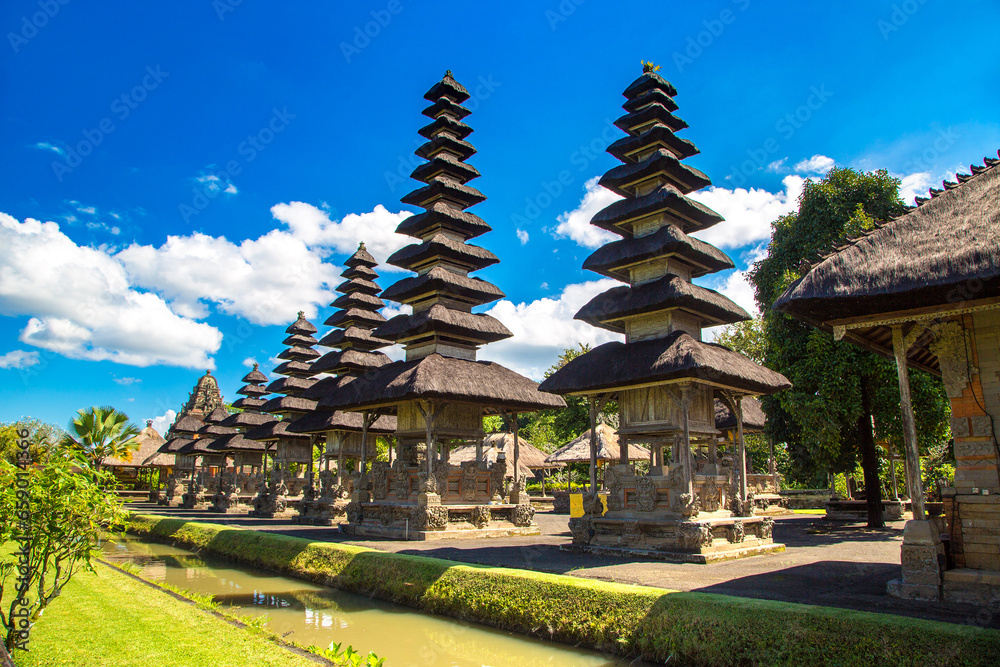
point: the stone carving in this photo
(428, 483)
(399, 485)
(378, 479)
(711, 496)
(355, 514)
(631, 533)
(385, 514)
(950, 346)
(326, 485)
(470, 482)
(694, 535)
(645, 494)
(582, 530)
(480, 516)
(309, 494)
(498, 475)
(766, 528)
(736, 533)
(441, 472)
(437, 516)
(523, 514)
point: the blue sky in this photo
(182, 177)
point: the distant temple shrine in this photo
(440, 393)
(924, 289)
(663, 376)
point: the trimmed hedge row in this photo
(691, 628)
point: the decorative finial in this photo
(361, 246)
(149, 423)
(208, 371)
(256, 365)
(301, 314)
(448, 75)
(648, 67)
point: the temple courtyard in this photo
(829, 564)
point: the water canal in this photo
(308, 613)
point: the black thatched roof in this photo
(339, 361)
(675, 357)
(353, 317)
(660, 162)
(357, 337)
(651, 113)
(298, 354)
(360, 271)
(252, 390)
(301, 326)
(361, 257)
(445, 105)
(442, 216)
(321, 421)
(921, 259)
(449, 88)
(412, 257)
(649, 82)
(754, 417)
(298, 340)
(288, 404)
(249, 403)
(442, 378)
(216, 415)
(173, 445)
(185, 424)
(272, 431)
(613, 259)
(358, 300)
(290, 385)
(439, 279)
(657, 135)
(255, 375)
(246, 420)
(693, 215)
(293, 369)
(446, 190)
(607, 309)
(442, 320)
(236, 442)
(358, 285)
(447, 165)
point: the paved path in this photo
(824, 564)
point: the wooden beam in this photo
(916, 487)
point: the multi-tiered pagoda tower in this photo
(238, 486)
(204, 483)
(441, 392)
(353, 353)
(283, 487)
(664, 377)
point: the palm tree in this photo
(101, 433)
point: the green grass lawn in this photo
(111, 620)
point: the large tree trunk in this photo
(869, 457)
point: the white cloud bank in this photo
(576, 225)
(545, 327)
(141, 305)
(163, 422)
(19, 359)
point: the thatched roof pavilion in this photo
(297, 369)
(149, 443)
(754, 417)
(924, 289)
(577, 450)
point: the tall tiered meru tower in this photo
(663, 376)
(440, 393)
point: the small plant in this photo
(347, 657)
(649, 67)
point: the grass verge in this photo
(691, 628)
(112, 620)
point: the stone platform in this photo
(404, 521)
(857, 510)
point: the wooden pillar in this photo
(909, 426)
(364, 440)
(517, 451)
(892, 469)
(738, 408)
(713, 450)
(686, 440)
(593, 445)
(341, 438)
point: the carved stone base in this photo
(706, 539)
(322, 512)
(923, 562)
(195, 501)
(409, 521)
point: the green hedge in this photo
(692, 628)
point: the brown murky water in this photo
(311, 614)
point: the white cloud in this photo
(19, 359)
(163, 422)
(522, 236)
(817, 164)
(125, 381)
(46, 146)
(249, 362)
(213, 184)
(748, 213)
(545, 327)
(376, 228)
(778, 166)
(81, 305)
(918, 184)
(576, 225)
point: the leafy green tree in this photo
(843, 399)
(44, 438)
(748, 338)
(101, 433)
(63, 509)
